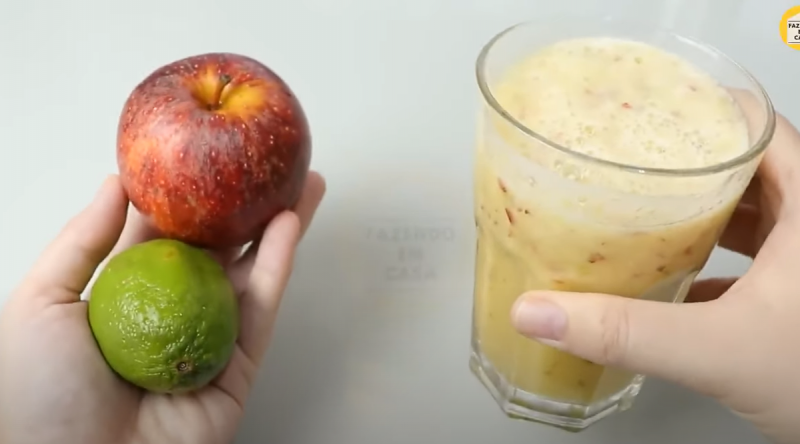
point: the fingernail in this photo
(539, 319)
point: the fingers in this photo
(266, 283)
(780, 169)
(709, 289)
(136, 231)
(227, 256)
(310, 199)
(752, 194)
(68, 263)
(742, 230)
(306, 207)
(679, 342)
(781, 162)
(261, 274)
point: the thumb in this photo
(676, 342)
(68, 263)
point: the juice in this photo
(559, 220)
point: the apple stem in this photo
(224, 81)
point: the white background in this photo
(359, 355)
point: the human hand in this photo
(737, 342)
(57, 388)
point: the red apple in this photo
(210, 148)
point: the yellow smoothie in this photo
(549, 220)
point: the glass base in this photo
(518, 404)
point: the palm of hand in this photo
(56, 384)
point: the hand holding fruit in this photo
(57, 385)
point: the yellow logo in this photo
(790, 28)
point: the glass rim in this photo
(754, 150)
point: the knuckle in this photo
(615, 334)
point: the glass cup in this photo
(545, 221)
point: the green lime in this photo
(165, 316)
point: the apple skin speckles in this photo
(211, 147)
